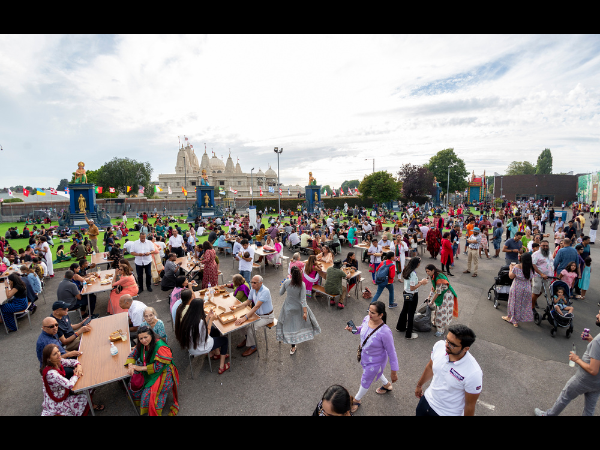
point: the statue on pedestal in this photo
(82, 205)
(316, 197)
(206, 200)
(311, 180)
(204, 179)
(80, 176)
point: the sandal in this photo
(355, 406)
(217, 357)
(98, 407)
(384, 389)
(293, 350)
(225, 367)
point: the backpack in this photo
(382, 274)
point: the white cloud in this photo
(330, 101)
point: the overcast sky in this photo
(329, 101)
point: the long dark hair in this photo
(140, 346)
(17, 283)
(435, 270)
(527, 265)
(380, 306)
(189, 334)
(186, 296)
(339, 397)
(48, 349)
(411, 266)
(296, 277)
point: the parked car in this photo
(34, 215)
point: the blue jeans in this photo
(454, 249)
(247, 274)
(380, 288)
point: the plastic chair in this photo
(269, 326)
(190, 357)
(26, 311)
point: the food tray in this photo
(225, 295)
(208, 306)
(116, 336)
(238, 307)
(227, 317)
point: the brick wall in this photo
(562, 187)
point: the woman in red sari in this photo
(211, 271)
(446, 255)
(433, 241)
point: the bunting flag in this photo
(341, 191)
(271, 189)
(232, 190)
(157, 188)
(10, 193)
(261, 192)
(53, 191)
(98, 189)
(325, 192)
(67, 190)
(356, 190)
(280, 191)
(128, 188)
(111, 190)
(332, 191)
(250, 191)
(40, 191)
(170, 191)
(141, 190)
(184, 190)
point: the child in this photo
(569, 274)
(560, 302)
(584, 282)
(580, 238)
(558, 237)
(413, 246)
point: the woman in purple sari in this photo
(377, 345)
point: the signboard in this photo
(208, 214)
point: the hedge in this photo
(13, 200)
(329, 203)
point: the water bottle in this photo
(84, 286)
(94, 252)
(572, 363)
(113, 349)
(210, 291)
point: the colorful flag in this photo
(157, 188)
(261, 192)
(356, 190)
(332, 191)
(141, 190)
(40, 191)
(289, 193)
(184, 190)
(98, 189)
(10, 193)
(128, 188)
(170, 191)
(53, 191)
(232, 190)
(250, 191)
(1, 200)
(271, 189)
(280, 191)
(111, 190)
(66, 190)
(325, 192)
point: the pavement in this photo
(523, 367)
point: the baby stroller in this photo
(550, 314)
(501, 286)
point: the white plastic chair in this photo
(190, 357)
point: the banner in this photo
(232, 190)
(341, 191)
(325, 192)
(250, 191)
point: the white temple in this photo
(222, 176)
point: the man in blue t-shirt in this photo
(513, 247)
(565, 255)
(497, 237)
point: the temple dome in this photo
(270, 173)
(216, 164)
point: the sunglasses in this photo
(51, 326)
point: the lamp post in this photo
(251, 187)
(185, 181)
(366, 159)
(448, 185)
(278, 151)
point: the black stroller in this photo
(501, 287)
(550, 314)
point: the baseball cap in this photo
(476, 229)
(59, 305)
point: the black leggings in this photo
(218, 340)
(447, 269)
(407, 315)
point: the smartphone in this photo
(351, 325)
(86, 321)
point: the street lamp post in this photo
(185, 181)
(448, 185)
(366, 159)
(278, 151)
(251, 187)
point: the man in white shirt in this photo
(176, 244)
(135, 311)
(457, 377)
(237, 247)
(245, 266)
(127, 245)
(366, 227)
(200, 230)
(543, 267)
(142, 249)
(294, 239)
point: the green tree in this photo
(326, 188)
(62, 185)
(520, 168)
(352, 184)
(490, 184)
(416, 181)
(544, 163)
(438, 165)
(122, 172)
(16, 188)
(29, 188)
(381, 186)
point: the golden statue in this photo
(206, 200)
(316, 197)
(204, 179)
(311, 180)
(80, 176)
(81, 201)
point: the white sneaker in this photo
(539, 412)
(413, 336)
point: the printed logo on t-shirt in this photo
(477, 388)
(456, 375)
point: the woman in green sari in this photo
(444, 297)
(152, 359)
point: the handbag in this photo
(360, 347)
(408, 297)
(367, 293)
(136, 383)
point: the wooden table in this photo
(258, 251)
(12, 269)
(225, 303)
(98, 259)
(323, 272)
(188, 265)
(96, 286)
(2, 294)
(99, 366)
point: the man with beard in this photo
(585, 381)
(543, 267)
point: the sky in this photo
(331, 102)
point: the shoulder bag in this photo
(360, 347)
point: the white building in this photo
(220, 175)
